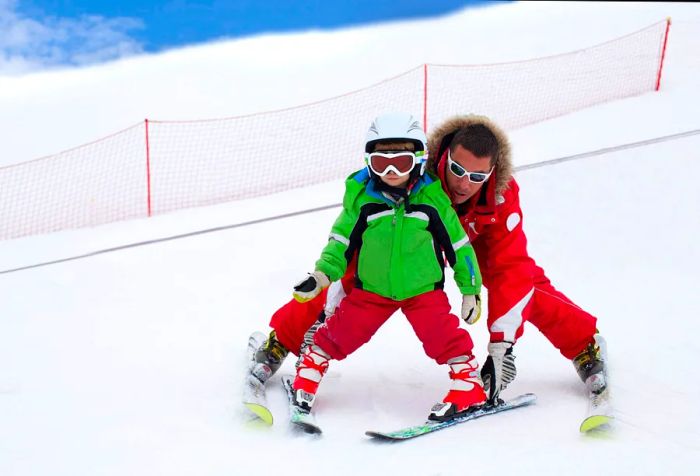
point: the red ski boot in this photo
(311, 367)
(467, 391)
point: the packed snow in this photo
(131, 362)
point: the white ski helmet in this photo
(399, 127)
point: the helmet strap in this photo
(399, 192)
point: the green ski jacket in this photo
(400, 247)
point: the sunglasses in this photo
(459, 171)
(401, 163)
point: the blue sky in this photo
(36, 33)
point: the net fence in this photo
(161, 166)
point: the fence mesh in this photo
(93, 184)
(206, 162)
(161, 166)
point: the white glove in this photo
(499, 369)
(336, 293)
(311, 286)
(471, 308)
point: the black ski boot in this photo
(268, 358)
(590, 366)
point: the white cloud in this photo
(29, 44)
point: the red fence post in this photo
(148, 169)
(425, 97)
(663, 54)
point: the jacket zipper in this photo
(397, 224)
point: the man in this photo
(471, 156)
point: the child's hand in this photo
(471, 308)
(311, 286)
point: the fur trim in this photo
(503, 162)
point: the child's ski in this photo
(298, 416)
(432, 426)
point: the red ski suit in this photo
(518, 289)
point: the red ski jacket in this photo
(518, 289)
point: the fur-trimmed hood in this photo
(439, 139)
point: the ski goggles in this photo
(459, 171)
(401, 163)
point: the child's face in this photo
(391, 178)
(394, 180)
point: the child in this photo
(399, 221)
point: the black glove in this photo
(311, 286)
(498, 370)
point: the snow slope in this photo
(130, 362)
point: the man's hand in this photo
(499, 369)
(471, 308)
(311, 286)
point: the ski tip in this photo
(260, 411)
(308, 428)
(256, 339)
(379, 436)
(595, 421)
(525, 398)
(304, 422)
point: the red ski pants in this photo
(362, 313)
(568, 327)
(513, 302)
(292, 320)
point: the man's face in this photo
(461, 188)
(391, 178)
